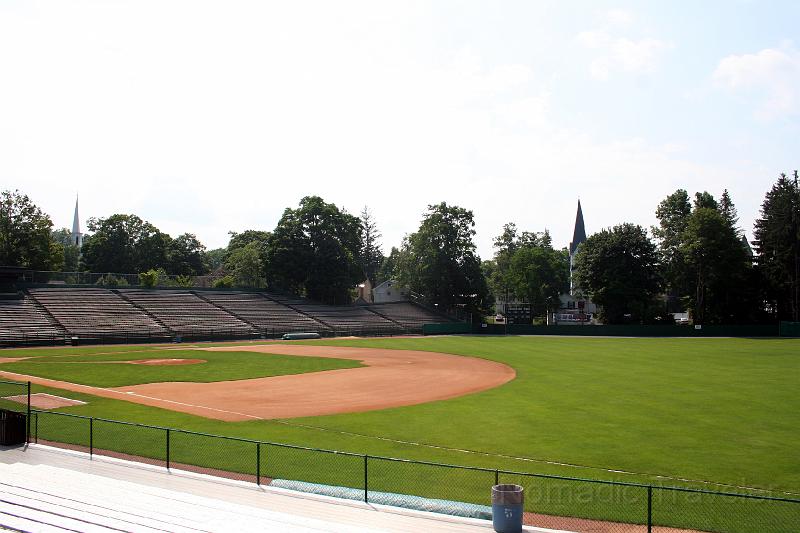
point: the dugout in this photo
(13, 428)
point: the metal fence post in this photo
(28, 418)
(496, 477)
(167, 457)
(91, 436)
(649, 509)
(366, 482)
(258, 463)
(36, 435)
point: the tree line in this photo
(695, 259)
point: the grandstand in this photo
(48, 315)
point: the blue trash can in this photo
(507, 507)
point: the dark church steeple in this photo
(578, 237)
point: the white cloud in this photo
(620, 54)
(772, 75)
(619, 17)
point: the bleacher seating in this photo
(85, 312)
(410, 315)
(264, 313)
(187, 314)
(344, 318)
(55, 314)
(21, 321)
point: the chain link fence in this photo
(555, 502)
(15, 396)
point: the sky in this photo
(210, 117)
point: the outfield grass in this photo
(104, 369)
(718, 410)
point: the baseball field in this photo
(717, 414)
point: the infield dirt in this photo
(389, 378)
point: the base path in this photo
(390, 378)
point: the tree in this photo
(25, 239)
(728, 211)
(777, 246)
(717, 262)
(440, 263)
(72, 252)
(314, 250)
(240, 240)
(216, 258)
(526, 267)
(673, 213)
(704, 200)
(618, 269)
(539, 274)
(370, 248)
(705, 260)
(505, 245)
(245, 265)
(388, 266)
(186, 256)
(124, 243)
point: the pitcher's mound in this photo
(167, 362)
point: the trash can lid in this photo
(507, 494)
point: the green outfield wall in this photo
(769, 330)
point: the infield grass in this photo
(107, 367)
(718, 414)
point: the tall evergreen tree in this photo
(777, 246)
(371, 255)
(673, 213)
(728, 211)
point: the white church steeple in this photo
(77, 236)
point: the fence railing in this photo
(15, 396)
(114, 279)
(144, 336)
(556, 502)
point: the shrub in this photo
(225, 282)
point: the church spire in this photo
(77, 236)
(579, 234)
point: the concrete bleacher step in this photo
(52, 499)
(143, 310)
(390, 319)
(226, 310)
(300, 311)
(45, 312)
